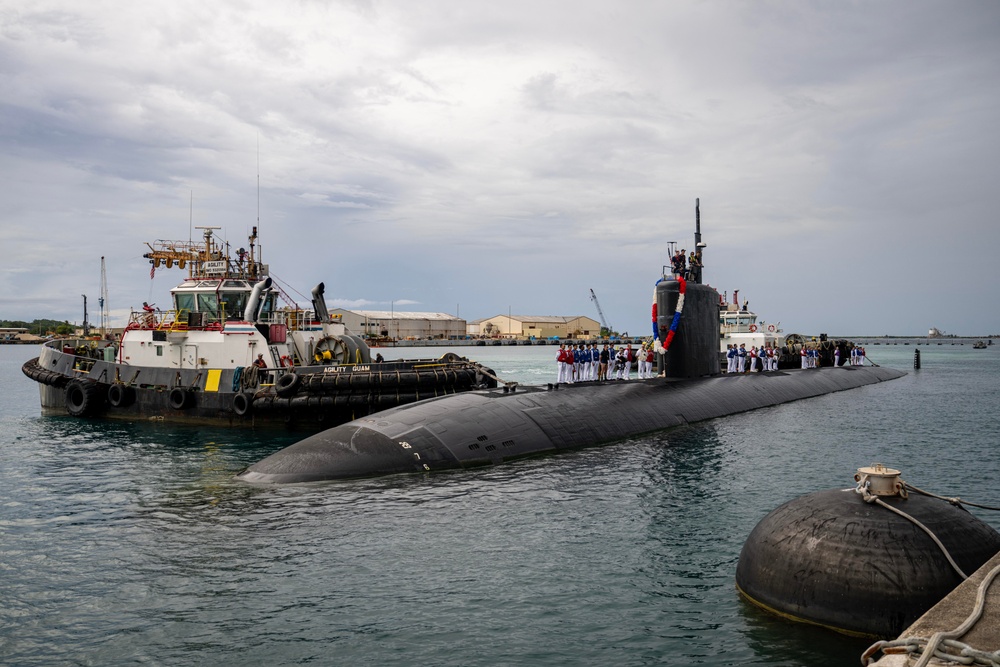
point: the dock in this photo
(952, 612)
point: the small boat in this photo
(979, 345)
(235, 349)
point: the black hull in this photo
(491, 427)
(319, 397)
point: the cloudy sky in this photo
(480, 158)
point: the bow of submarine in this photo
(346, 451)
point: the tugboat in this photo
(740, 326)
(737, 325)
(235, 349)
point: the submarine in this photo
(489, 427)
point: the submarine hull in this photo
(489, 427)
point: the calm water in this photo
(131, 543)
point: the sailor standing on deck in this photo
(569, 364)
(802, 353)
(741, 358)
(677, 264)
(649, 361)
(602, 368)
(561, 363)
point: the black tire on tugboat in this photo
(243, 403)
(179, 398)
(82, 398)
(287, 385)
(121, 395)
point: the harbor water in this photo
(132, 544)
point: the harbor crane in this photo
(604, 320)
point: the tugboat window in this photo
(233, 304)
(209, 303)
(184, 302)
(268, 308)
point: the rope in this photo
(250, 377)
(966, 654)
(484, 371)
(954, 501)
(871, 498)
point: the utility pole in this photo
(86, 327)
(103, 302)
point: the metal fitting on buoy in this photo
(880, 481)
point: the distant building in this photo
(401, 325)
(536, 326)
(11, 333)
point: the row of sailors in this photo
(585, 363)
(810, 358)
(741, 360)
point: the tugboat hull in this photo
(317, 397)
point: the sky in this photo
(479, 158)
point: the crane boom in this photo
(604, 320)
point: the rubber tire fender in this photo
(243, 403)
(287, 385)
(121, 395)
(179, 399)
(81, 398)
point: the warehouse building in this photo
(536, 326)
(401, 325)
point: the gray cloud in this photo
(489, 156)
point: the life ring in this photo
(287, 385)
(81, 398)
(179, 398)
(121, 395)
(753, 328)
(286, 361)
(771, 328)
(242, 403)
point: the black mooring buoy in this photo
(916, 358)
(843, 560)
